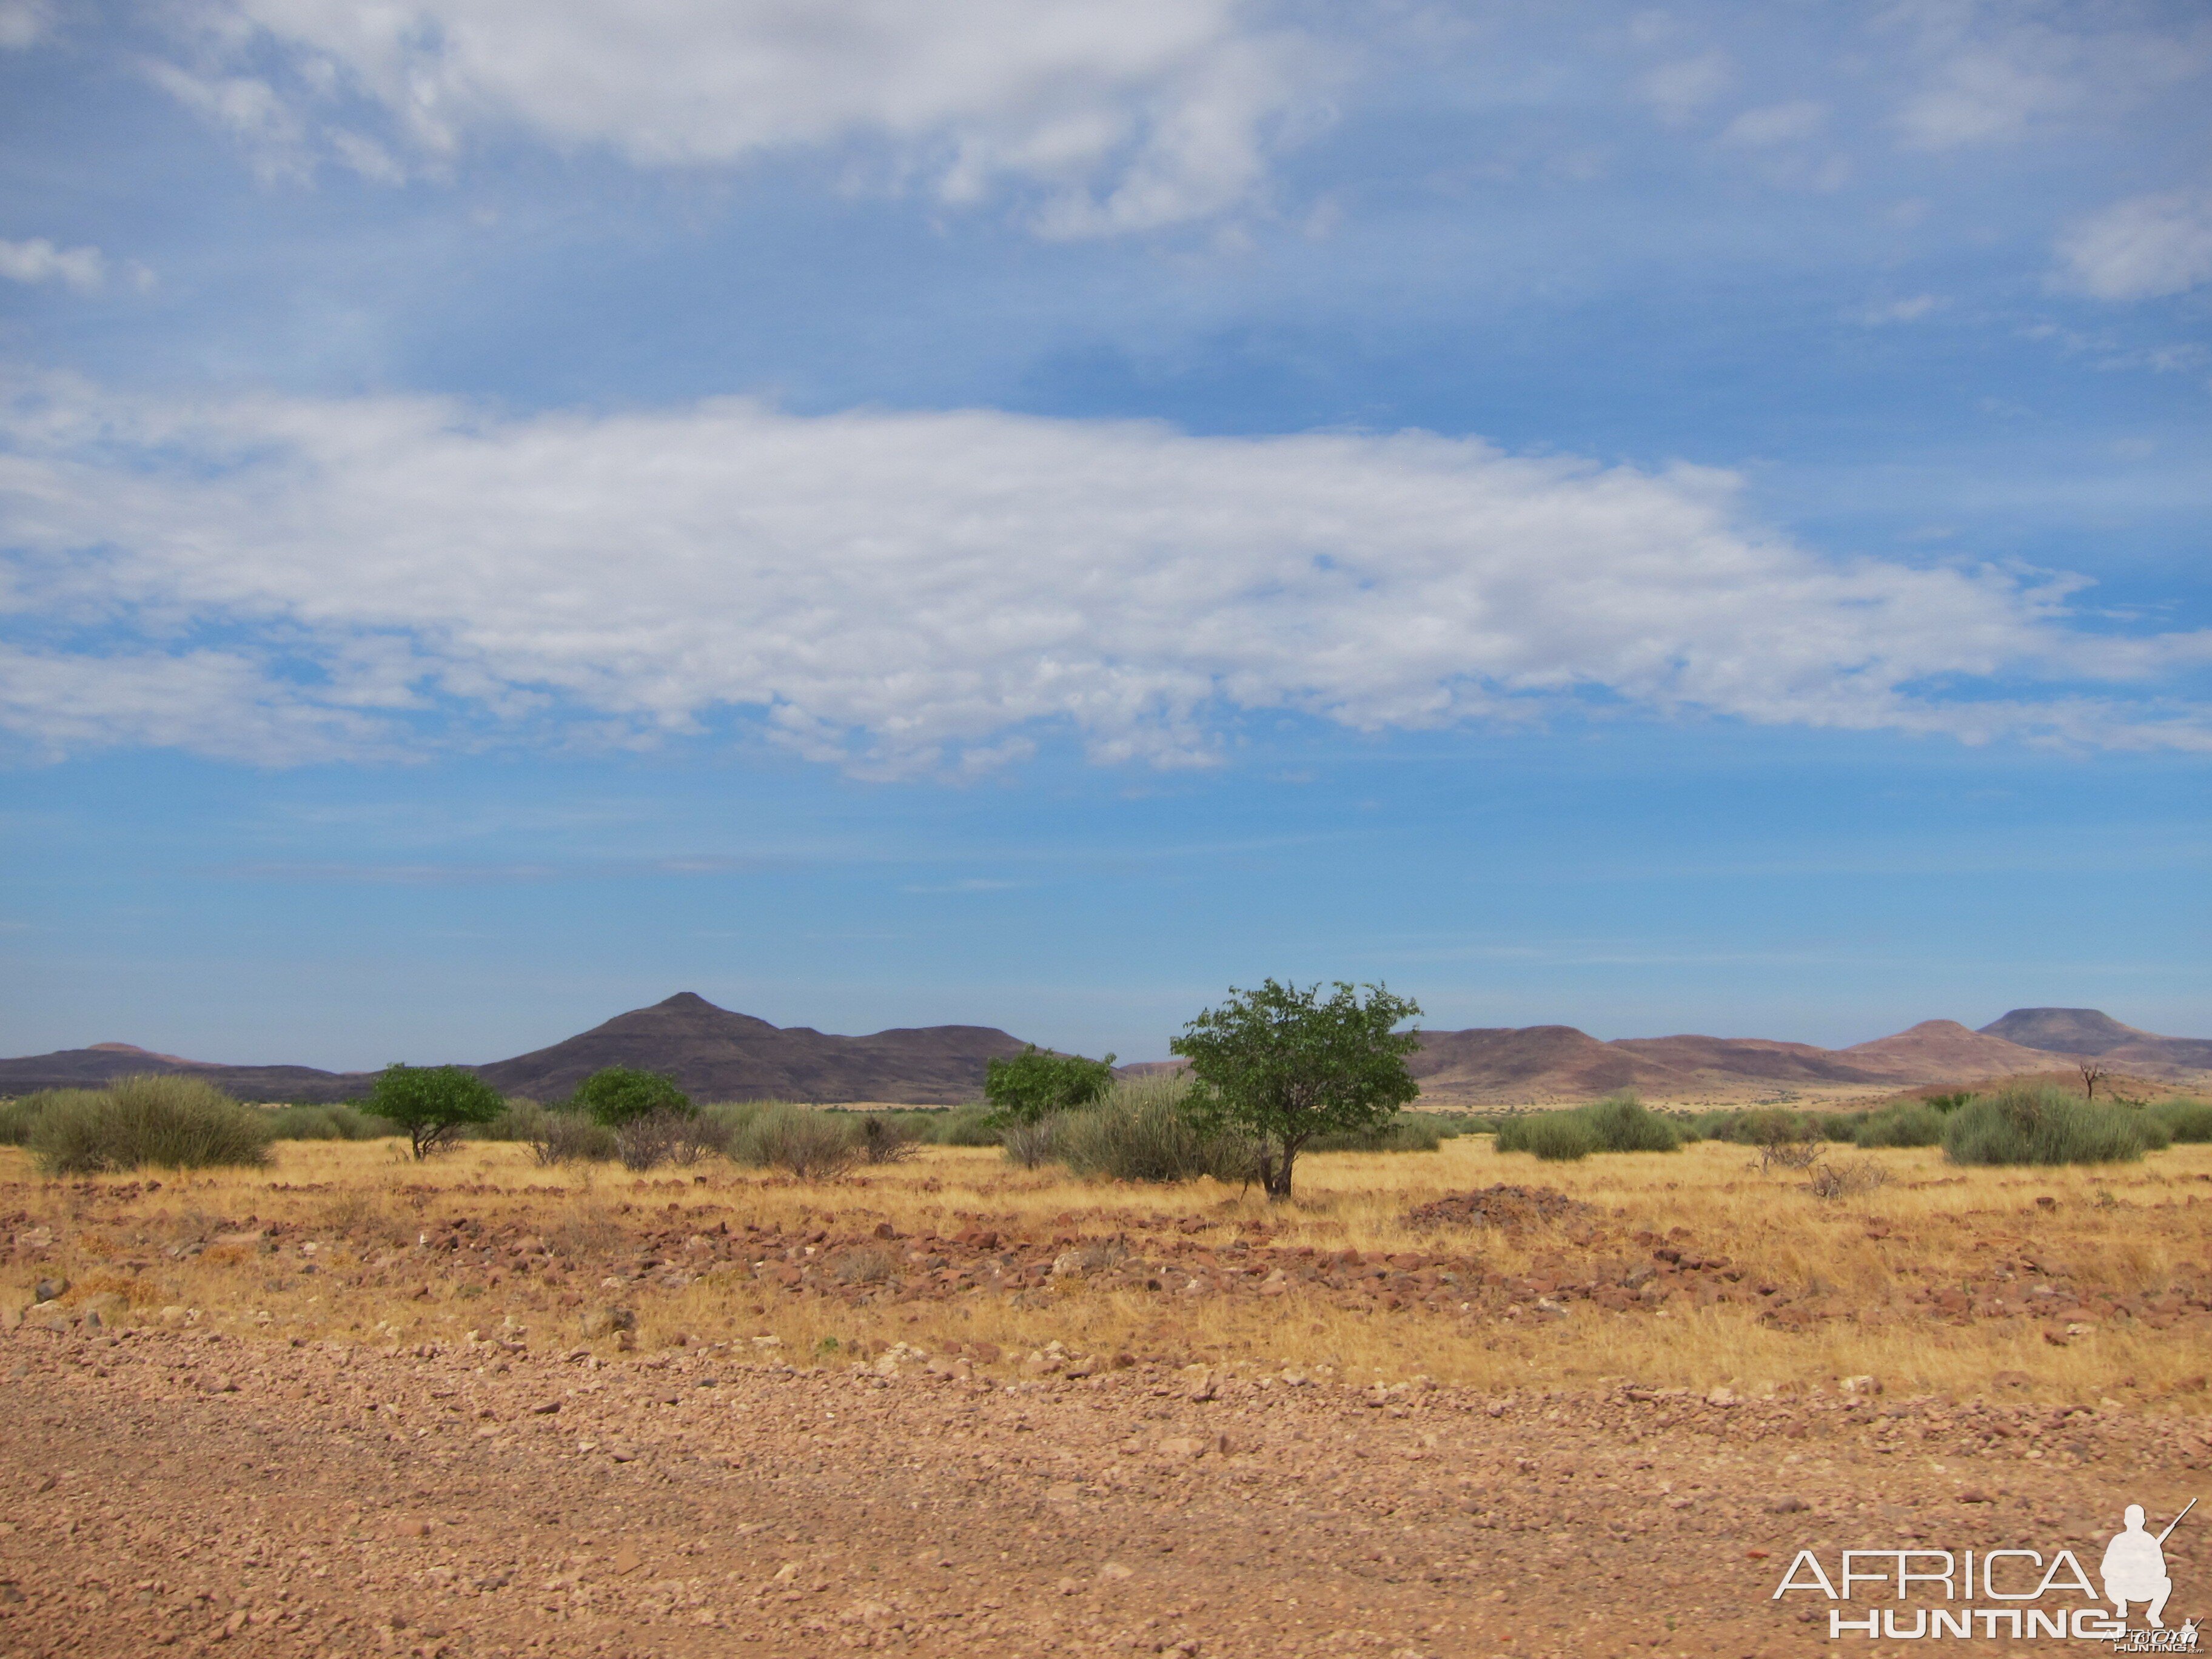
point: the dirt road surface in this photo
(188, 1492)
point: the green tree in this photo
(1036, 1083)
(432, 1102)
(616, 1095)
(1282, 1065)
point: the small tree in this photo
(1284, 1066)
(1036, 1083)
(432, 1102)
(616, 1095)
(2092, 1075)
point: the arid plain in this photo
(1450, 1402)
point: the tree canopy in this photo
(1036, 1083)
(1284, 1065)
(432, 1102)
(616, 1095)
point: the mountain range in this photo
(716, 1054)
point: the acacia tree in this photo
(1282, 1065)
(432, 1103)
(1036, 1083)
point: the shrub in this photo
(2185, 1120)
(1764, 1126)
(1557, 1137)
(176, 1122)
(1622, 1123)
(1037, 1082)
(1909, 1124)
(1144, 1131)
(809, 1144)
(2041, 1124)
(1408, 1132)
(565, 1137)
(885, 1138)
(1618, 1123)
(327, 1123)
(18, 1117)
(966, 1126)
(1032, 1145)
(615, 1094)
(432, 1104)
(666, 1135)
(1847, 1179)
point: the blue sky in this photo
(1655, 519)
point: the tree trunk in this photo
(1277, 1177)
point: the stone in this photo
(50, 1290)
(607, 1320)
(1200, 1383)
(545, 1409)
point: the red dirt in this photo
(193, 1493)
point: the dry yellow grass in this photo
(2123, 1231)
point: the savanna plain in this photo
(1444, 1402)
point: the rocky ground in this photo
(203, 1493)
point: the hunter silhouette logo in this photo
(2135, 1566)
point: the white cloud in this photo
(1145, 113)
(2001, 70)
(2142, 247)
(939, 591)
(1678, 91)
(38, 260)
(1777, 123)
(1911, 309)
(24, 23)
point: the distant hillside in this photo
(2091, 1032)
(715, 1054)
(1539, 1064)
(91, 1068)
(712, 1054)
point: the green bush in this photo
(1144, 1132)
(2185, 1120)
(615, 1094)
(327, 1123)
(966, 1126)
(1760, 1126)
(1037, 1082)
(1557, 1137)
(1618, 1123)
(2039, 1123)
(1408, 1132)
(17, 1117)
(1909, 1124)
(170, 1121)
(1622, 1123)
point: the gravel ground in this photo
(198, 1493)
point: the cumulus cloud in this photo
(1117, 117)
(2142, 247)
(38, 260)
(901, 591)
